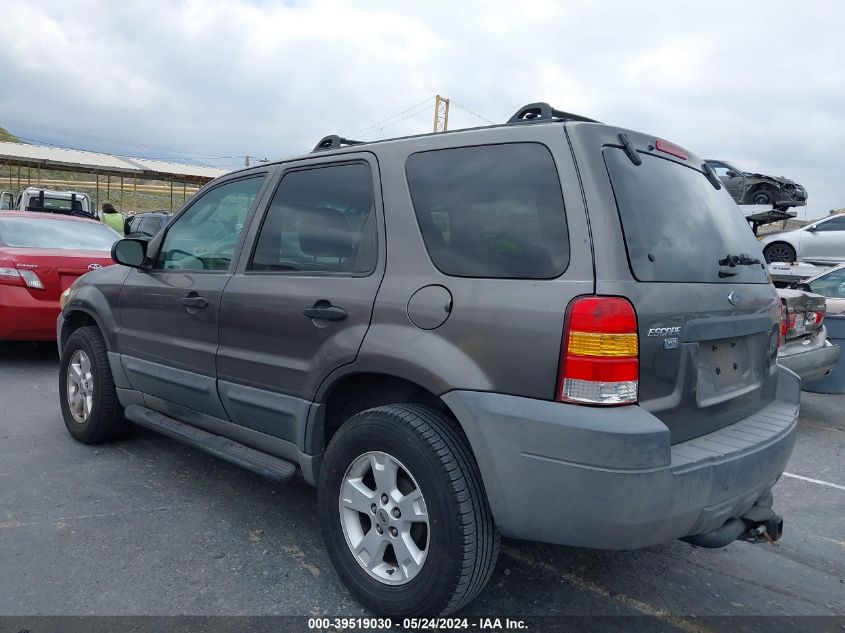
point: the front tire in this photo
(90, 408)
(403, 512)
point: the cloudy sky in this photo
(760, 84)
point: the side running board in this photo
(268, 466)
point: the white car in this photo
(821, 241)
(831, 285)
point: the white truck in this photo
(48, 201)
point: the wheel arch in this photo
(73, 320)
(767, 186)
(354, 392)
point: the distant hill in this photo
(5, 136)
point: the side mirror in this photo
(731, 173)
(129, 252)
(812, 229)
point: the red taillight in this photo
(816, 317)
(20, 277)
(599, 356)
(784, 322)
(670, 148)
(9, 275)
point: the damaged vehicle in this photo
(804, 347)
(549, 329)
(823, 241)
(750, 188)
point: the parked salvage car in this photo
(550, 329)
(39, 258)
(751, 188)
(831, 285)
(145, 225)
(804, 346)
(821, 241)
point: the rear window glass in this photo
(49, 233)
(677, 226)
(491, 211)
(55, 204)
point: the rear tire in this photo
(90, 408)
(458, 544)
(779, 252)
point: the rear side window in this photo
(320, 220)
(677, 226)
(491, 211)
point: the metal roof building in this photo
(25, 162)
(40, 156)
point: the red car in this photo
(40, 256)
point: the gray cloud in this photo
(761, 84)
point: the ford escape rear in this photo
(552, 329)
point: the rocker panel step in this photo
(272, 468)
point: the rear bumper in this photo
(609, 478)
(24, 318)
(811, 364)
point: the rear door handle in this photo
(325, 310)
(195, 302)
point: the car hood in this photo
(778, 179)
(781, 236)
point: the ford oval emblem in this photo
(94, 266)
(735, 298)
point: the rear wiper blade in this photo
(739, 260)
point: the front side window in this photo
(320, 220)
(835, 224)
(831, 285)
(492, 211)
(204, 237)
(720, 169)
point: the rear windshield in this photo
(491, 211)
(677, 226)
(50, 233)
(55, 204)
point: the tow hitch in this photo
(770, 531)
(760, 524)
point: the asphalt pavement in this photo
(148, 526)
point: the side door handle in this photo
(194, 302)
(325, 310)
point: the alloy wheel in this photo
(384, 518)
(80, 386)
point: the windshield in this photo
(677, 226)
(51, 233)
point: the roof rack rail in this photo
(333, 141)
(534, 112)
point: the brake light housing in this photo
(599, 359)
(784, 325)
(11, 276)
(670, 148)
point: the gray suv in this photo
(550, 329)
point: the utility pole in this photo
(441, 114)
